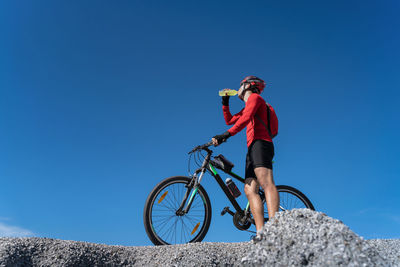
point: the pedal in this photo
(225, 210)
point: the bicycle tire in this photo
(151, 199)
(291, 191)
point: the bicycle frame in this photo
(210, 165)
(221, 183)
(195, 209)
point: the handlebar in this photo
(201, 147)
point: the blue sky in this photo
(100, 100)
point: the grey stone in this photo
(293, 238)
(302, 237)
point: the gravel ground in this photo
(388, 248)
(302, 237)
(53, 252)
(293, 238)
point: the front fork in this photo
(195, 183)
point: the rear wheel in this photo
(164, 225)
(289, 198)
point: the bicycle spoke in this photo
(289, 200)
(171, 209)
(159, 220)
(172, 228)
(169, 231)
(163, 225)
(160, 217)
(196, 217)
(170, 203)
(197, 198)
(180, 219)
(161, 234)
(187, 225)
(192, 220)
(178, 197)
(184, 231)
(295, 206)
(166, 212)
(286, 201)
(175, 227)
(175, 198)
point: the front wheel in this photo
(164, 225)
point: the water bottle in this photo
(228, 92)
(232, 187)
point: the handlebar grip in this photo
(208, 144)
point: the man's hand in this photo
(225, 100)
(218, 139)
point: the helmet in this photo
(255, 83)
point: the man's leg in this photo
(266, 181)
(251, 188)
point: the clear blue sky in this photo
(100, 100)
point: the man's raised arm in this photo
(229, 119)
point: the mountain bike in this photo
(178, 209)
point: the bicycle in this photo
(179, 209)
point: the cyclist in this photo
(260, 148)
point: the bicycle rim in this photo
(170, 228)
(290, 198)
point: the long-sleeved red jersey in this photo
(245, 118)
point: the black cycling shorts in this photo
(260, 154)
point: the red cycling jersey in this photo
(255, 129)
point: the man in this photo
(258, 172)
